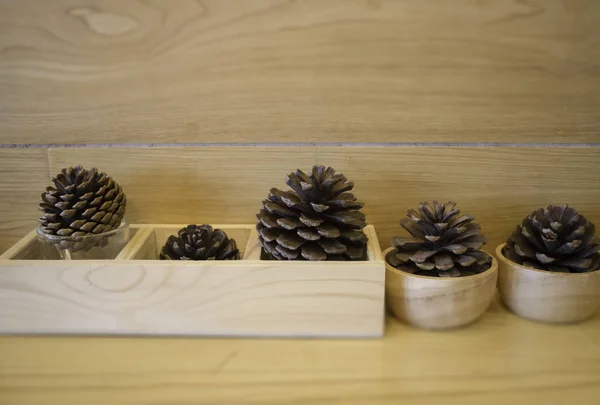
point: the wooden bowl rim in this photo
(488, 272)
(506, 260)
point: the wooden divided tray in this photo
(137, 294)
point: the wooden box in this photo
(136, 294)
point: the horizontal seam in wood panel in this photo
(311, 144)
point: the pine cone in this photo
(316, 220)
(555, 239)
(82, 202)
(195, 242)
(444, 244)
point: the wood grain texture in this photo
(499, 186)
(439, 303)
(502, 359)
(546, 296)
(23, 177)
(26, 248)
(108, 71)
(208, 298)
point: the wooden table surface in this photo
(498, 360)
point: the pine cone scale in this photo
(268, 234)
(422, 255)
(443, 262)
(290, 241)
(276, 209)
(456, 249)
(480, 257)
(577, 263)
(466, 260)
(578, 233)
(328, 231)
(460, 221)
(589, 251)
(425, 265)
(353, 236)
(289, 223)
(332, 246)
(267, 220)
(352, 219)
(310, 221)
(412, 229)
(309, 234)
(289, 254)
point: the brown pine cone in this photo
(81, 203)
(555, 238)
(443, 244)
(195, 242)
(317, 220)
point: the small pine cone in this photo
(317, 220)
(195, 242)
(444, 244)
(81, 203)
(557, 239)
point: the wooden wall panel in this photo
(500, 186)
(218, 71)
(23, 177)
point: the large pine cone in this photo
(202, 242)
(444, 244)
(317, 220)
(82, 202)
(555, 239)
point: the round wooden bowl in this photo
(547, 296)
(439, 303)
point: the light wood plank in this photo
(499, 360)
(101, 71)
(26, 248)
(23, 177)
(208, 298)
(373, 240)
(500, 186)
